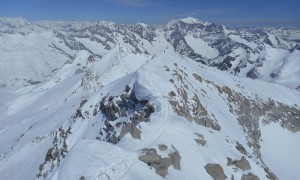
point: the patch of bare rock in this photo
(215, 171)
(159, 163)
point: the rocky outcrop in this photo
(249, 111)
(124, 106)
(200, 140)
(253, 74)
(132, 129)
(175, 159)
(159, 163)
(188, 107)
(241, 148)
(242, 164)
(162, 147)
(55, 154)
(215, 171)
(250, 176)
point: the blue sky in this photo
(230, 12)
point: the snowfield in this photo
(201, 47)
(238, 39)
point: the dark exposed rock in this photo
(162, 147)
(32, 82)
(270, 174)
(250, 111)
(242, 164)
(226, 64)
(55, 153)
(150, 156)
(250, 176)
(161, 165)
(175, 160)
(79, 113)
(192, 111)
(215, 171)
(200, 141)
(91, 59)
(252, 74)
(132, 129)
(172, 94)
(199, 78)
(240, 148)
(79, 71)
(229, 161)
(124, 106)
(274, 75)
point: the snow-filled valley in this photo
(191, 100)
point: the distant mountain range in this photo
(260, 53)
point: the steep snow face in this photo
(145, 117)
(201, 47)
(238, 39)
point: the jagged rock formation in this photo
(160, 164)
(200, 141)
(249, 177)
(125, 105)
(55, 154)
(242, 164)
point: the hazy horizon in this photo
(232, 12)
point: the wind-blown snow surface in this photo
(40, 120)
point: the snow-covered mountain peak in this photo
(191, 20)
(142, 24)
(106, 23)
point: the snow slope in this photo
(274, 149)
(61, 124)
(201, 47)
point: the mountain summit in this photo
(189, 100)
